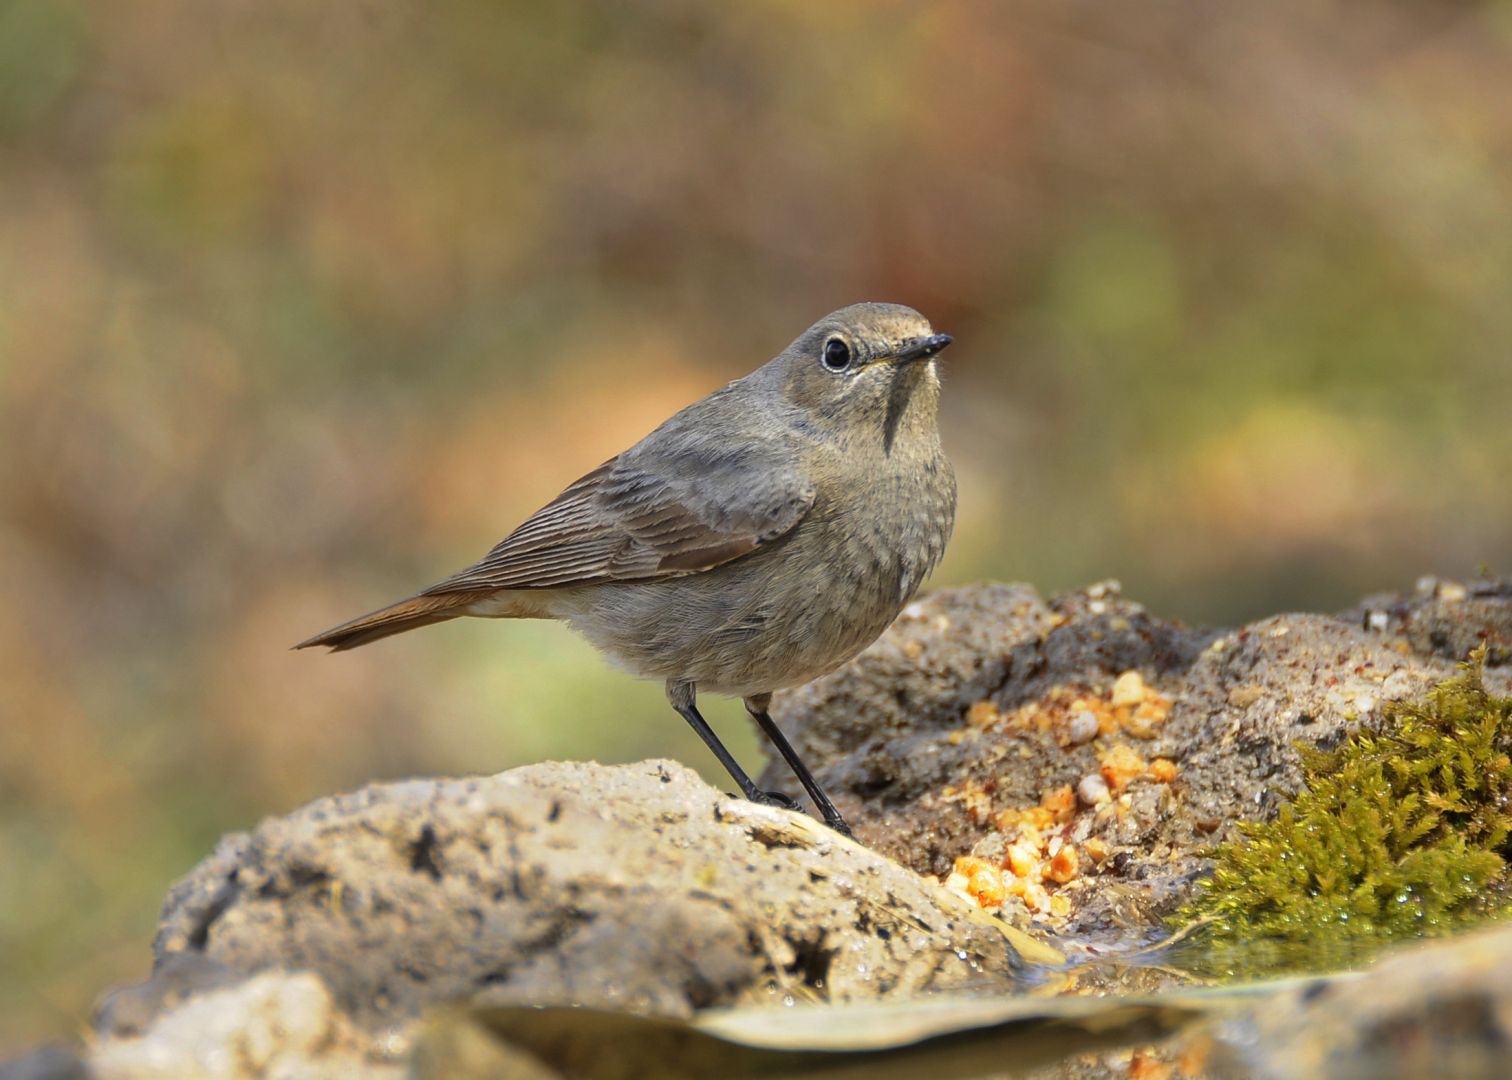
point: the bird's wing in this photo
(649, 514)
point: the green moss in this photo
(1403, 831)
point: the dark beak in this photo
(922, 348)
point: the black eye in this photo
(837, 354)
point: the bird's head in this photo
(863, 371)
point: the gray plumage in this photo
(756, 540)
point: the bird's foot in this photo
(772, 798)
(783, 802)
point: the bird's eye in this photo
(837, 354)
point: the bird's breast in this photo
(796, 608)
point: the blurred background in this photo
(303, 306)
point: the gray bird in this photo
(758, 539)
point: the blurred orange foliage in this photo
(304, 305)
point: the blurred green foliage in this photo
(304, 305)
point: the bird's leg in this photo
(757, 707)
(682, 696)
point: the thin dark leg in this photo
(682, 698)
(757, 707)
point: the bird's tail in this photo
(395, 619)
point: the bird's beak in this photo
(921, 348)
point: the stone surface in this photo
(892, 736)
(636, 887)
(1443, 1009)
(274, 1024)
(1445, 618)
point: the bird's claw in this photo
(783, 802)
(773, 798)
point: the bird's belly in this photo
(765, 622)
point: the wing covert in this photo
(645, 515)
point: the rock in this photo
(131, 1010)
(274, 1024)
(965, 720)
(1443, 1009)
(634, 887)
(47, 1063)
(1445, 618)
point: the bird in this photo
(758, 539)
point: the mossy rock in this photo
(1401, 831)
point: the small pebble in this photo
(1378, 620)
(1082, 728)
(1093, 791)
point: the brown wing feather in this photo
(706, 487)
(629, 520)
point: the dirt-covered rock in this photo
(633, 887)
(989, 722)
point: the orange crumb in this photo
(1060, 803)
(1146, 1066)
(1022, 860)
(1120, 765)
(986, 886)
(975, 797)
(1060, 906)
(967, 865)
(1096, 848)
(1162, 770)
(1064, 864)
(1033, 818)
(982, 714)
